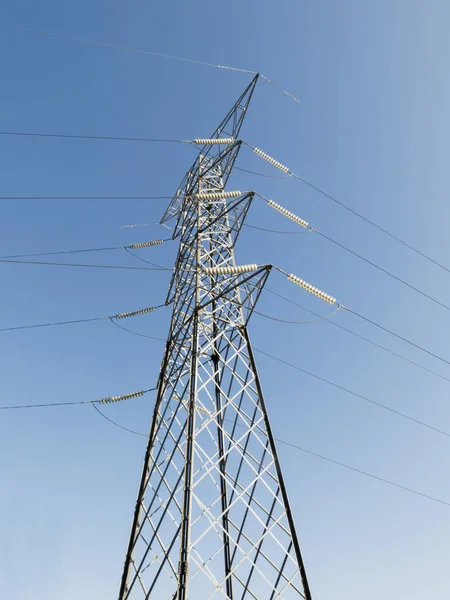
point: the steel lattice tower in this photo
(212, 518)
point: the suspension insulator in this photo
(311, 289)
(271, 160)
(145, 244)
(231, 270)
(109, 399)
(135, 313)
(213, 141)
(288, 214)
(217, 195)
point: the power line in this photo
(272, 318)
(378, 404)
(331, 300)
(92, 137)
(117, 424)
(263, 174)
(317, 189)
(279, 440)
(400, 337)
(108, 399)
(288, 171)
(52, 324)
(48, 405)
(358, 335)
(56, 323)
(85, 197)
(60, 252)
(161, 268)
(243, 224)
(317, 455)
(382, 229)
(146, 52)
(384, 407)
(305, 285)
(355, 394)
(125, 48)
(385, 271)
(366, 473)
(276, 230)
(385, 329)
(370, 222)
(378, 267)
(103, 249)
(134, 139)
(55, 264)
(141, 259)
(151, 337)
(304, 224)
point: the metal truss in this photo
(212, 518)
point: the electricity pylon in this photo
(212, 517)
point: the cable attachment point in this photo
(213, 142)
(146, 244)
(311, 289)
(217, 195)
(231, 270)
(271, 160)
(288, 214)
(109, 399)
(134, 313)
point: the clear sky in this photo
(372, 128)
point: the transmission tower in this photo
(212, 517)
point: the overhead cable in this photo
(272, 318)
(277, 164)
(385, 271)
(85, 197)
(105, 400)
(375, 324)
(262, 174)
(294, 279)
(262, 154)
(244, 225)
(56, 323)
(144, 260)
(253, 267)
(93, 403)
(275, 230)
(358, 335)
(146, 52)
(327, 298)
(144, 335)
(55, 264)
(91, 137)
(315, 454)
(356, 394)
(117, 424)
(366, 473)
(102, 249)
(306, 225)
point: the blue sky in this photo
(372, 128)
